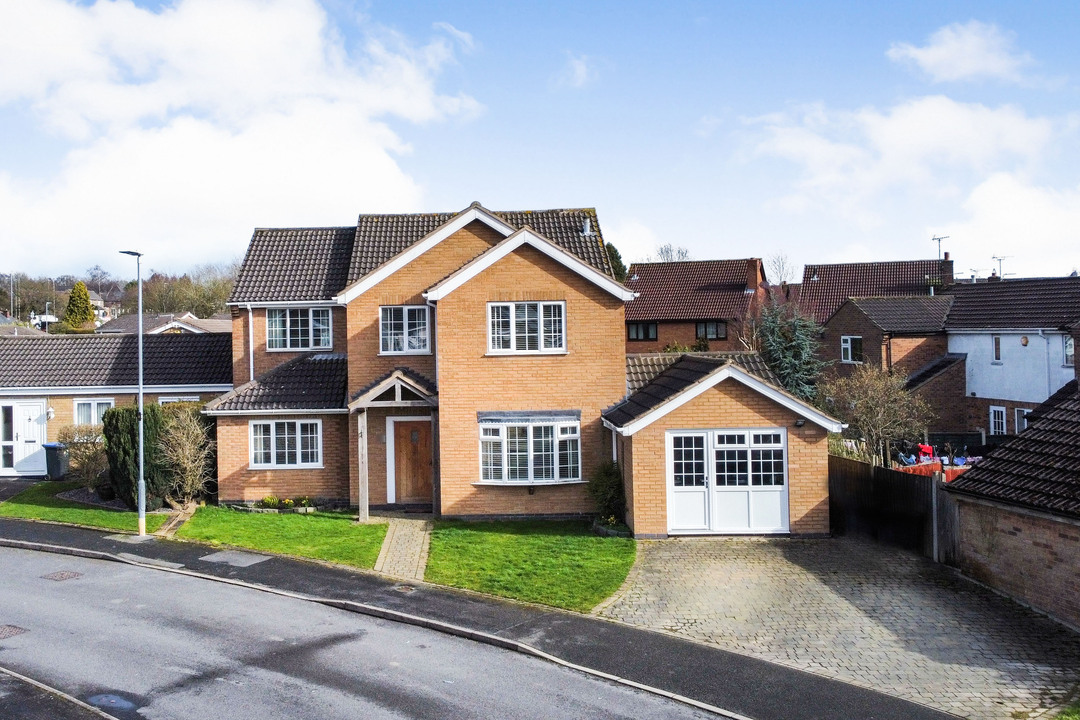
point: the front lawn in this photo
(562, 564)
(1070, 713)
(331, 536)
(39, 502)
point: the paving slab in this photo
(236, 558)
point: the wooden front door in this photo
(412, 461)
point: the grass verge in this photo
(331, 536)
(39, 502)
(1070, 713)
(562, 564)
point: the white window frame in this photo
(496, 434)
(513, 335)
(310, 341)
(406, 310)
(1067, 344)
(1000, 411)
(1021, 419)
(93, 403)
(273, 464)
(177, 399)
(995, 349)
(846, 354)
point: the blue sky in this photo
(830, 132)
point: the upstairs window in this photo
(527, 327)
(403, 330)
(995, 349)
(1070, 351)
(300, 329)
(851, 349)
(712, 330)
(641, 331)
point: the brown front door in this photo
(412, 461)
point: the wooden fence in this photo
(889, 506)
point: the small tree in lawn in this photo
(877, 406)
(788, 343)
(79, 311)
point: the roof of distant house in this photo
(690, 290)
(1039, 468)
(642, 368)
(932, 369)
(1022, 303)
(153, 324)
(314, 381)
(55, 361)
(19, 330)
(826, 287)
(919, 315)
(311, 264)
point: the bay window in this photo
(534, 452)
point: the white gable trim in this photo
(474, 212)
(175, 324)
(396, 379)
(526, 236)
(729, 371)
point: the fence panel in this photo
(948, 528)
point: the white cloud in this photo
(188, 126)
(634, 239)
(464, 39)
(968, 51)
(579, 71)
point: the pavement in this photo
(404, 551)
(23, 700)
(860, 612)
(703, 673)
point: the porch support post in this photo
(362, 452)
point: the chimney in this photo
(994, 277)
(946, 270)
(754, 274)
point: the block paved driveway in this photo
(856, 611)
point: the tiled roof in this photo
(642, 368)
(421, 381)
(20, 330)
(221, 323)
(318, 263)
(111, 360)
(689, 290)
(1039, 468)
(1027, 303)
(129, 323)
(932, 369)
(315, 381)
(825, 287)
(906, 315)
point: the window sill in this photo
(299, 350)
(524, 353)
(285, 467)
(526, 483)
(851, 362)
(996, 362)
(404, 352)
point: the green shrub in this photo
(270, 501)
(607, 493)
(121, 426)
(86, 453)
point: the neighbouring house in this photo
(826, 287)
(1019, 510)
(462, 362)
(12, 329)
(56, 380)
(154, 324)
(101, 312)
(702, 304)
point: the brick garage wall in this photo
(683, 333)
(1028, 556)
(589, 377)
(732, 405)
(849, 320)
(945, 395)
(266, 360)
(64, 406)
(238, 483)
(911, 353)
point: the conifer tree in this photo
(79, 310)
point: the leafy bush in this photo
(607, 493)
(186, 450)
(270, 501)
(121, 429)
(86, 454)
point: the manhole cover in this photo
(404, 589)
(114, 702)
(62, 575)
(7, 631)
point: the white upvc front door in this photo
(22, 432)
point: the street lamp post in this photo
(142, 468)
(47, 304)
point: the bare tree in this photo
(186, 446)
(96, 277)
(669, 253)
(779, 268)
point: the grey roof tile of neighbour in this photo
(689, 290)
(311, 264)
(1039, 468)
(914, 315)
(1022, 303)
(421, 381)
(314, 381)
(129, 322)
(824, 288)
(641, 368)
(112, 360)
(20, 330)
(932, 369)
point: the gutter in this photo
(251, 345)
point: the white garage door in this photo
(727, 481)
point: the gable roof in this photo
(642, 368)
(1024, 303)
(400, 377)
(932, 369)
(318, 264)
(310, 382)
(1039, 468)
(690, 290)
(825, 287)
(129, 323)
(919, 315)
(20, 330)
(74, 361)
(687, 378)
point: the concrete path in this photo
(859, 612)
(404, 552)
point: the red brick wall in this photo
(1032, 558)
(977, 411)
(728, 405)
(849, 320)
(945, 395)
(683, 333)
(911, 353)
(238, 483)
(266, 360)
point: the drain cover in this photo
(114, 702)
(404, 589)
(7, 631)
(62, 575)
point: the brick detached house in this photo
(462, 361)
(1019, 510)
(51, 381)
(693, 301)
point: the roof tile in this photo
(314, 381)
(825, 287)
(689, 290)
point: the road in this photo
(145, 644)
